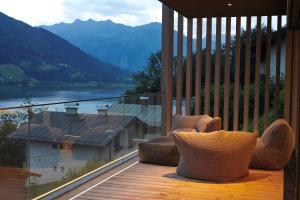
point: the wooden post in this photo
(277, 76)
(257, 74)
(295, 118)
(247, 74)
(217, 67)
(288, 75)
(198, 67)
(179, 65)
(188, 88)
(227, 74)
(267, 73)
(167, 65)
(237, 75)
(207, 67)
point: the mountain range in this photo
(124, 46)
(33, 55)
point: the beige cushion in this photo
(208, 124)
(274, 148)
(218, 156)
(183, 122)
(199, 123)
(171, 133)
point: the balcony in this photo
(249, 78)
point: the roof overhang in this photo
(222, 8)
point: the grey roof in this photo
(150, 114)
(83, 129)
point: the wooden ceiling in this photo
(222, 8)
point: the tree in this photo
(12, 152)
(148, 80)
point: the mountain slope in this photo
(125, 46)
(35, 55)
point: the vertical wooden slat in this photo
(277, 76)
(217, 67)
(237, 75)
(167, 66)
(257, 73)
(247, 75)
(198, 67)
(179, 65)
(227, 74)
(188, 88)
(267, 72)
(288, 76)
(208, 67)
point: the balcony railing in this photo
(46, 148)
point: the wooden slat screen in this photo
(198, 67)
(246, 70)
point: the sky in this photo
(128, 12)
(48, 12)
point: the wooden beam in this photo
(277, 75)
(217, 67)
(217, 8)
(179, 65)
(227, 74)
(267, 72)
(188, 87)
(208, 67)
(257, 74)
(237, 75)
(167, 66)
(293, 19)
(198, 67)
(247, 74)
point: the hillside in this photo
(30, 55)
(124, 46)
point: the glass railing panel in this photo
(145, 112)
(53, 144)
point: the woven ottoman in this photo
(218, 156)
(159, 151)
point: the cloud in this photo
(127, 11)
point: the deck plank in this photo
(143, 181)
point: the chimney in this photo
(71, 108)
(103, 109)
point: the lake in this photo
(15, 96)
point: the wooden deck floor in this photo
(142, 181)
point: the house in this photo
(64, 141)
(273, 52)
